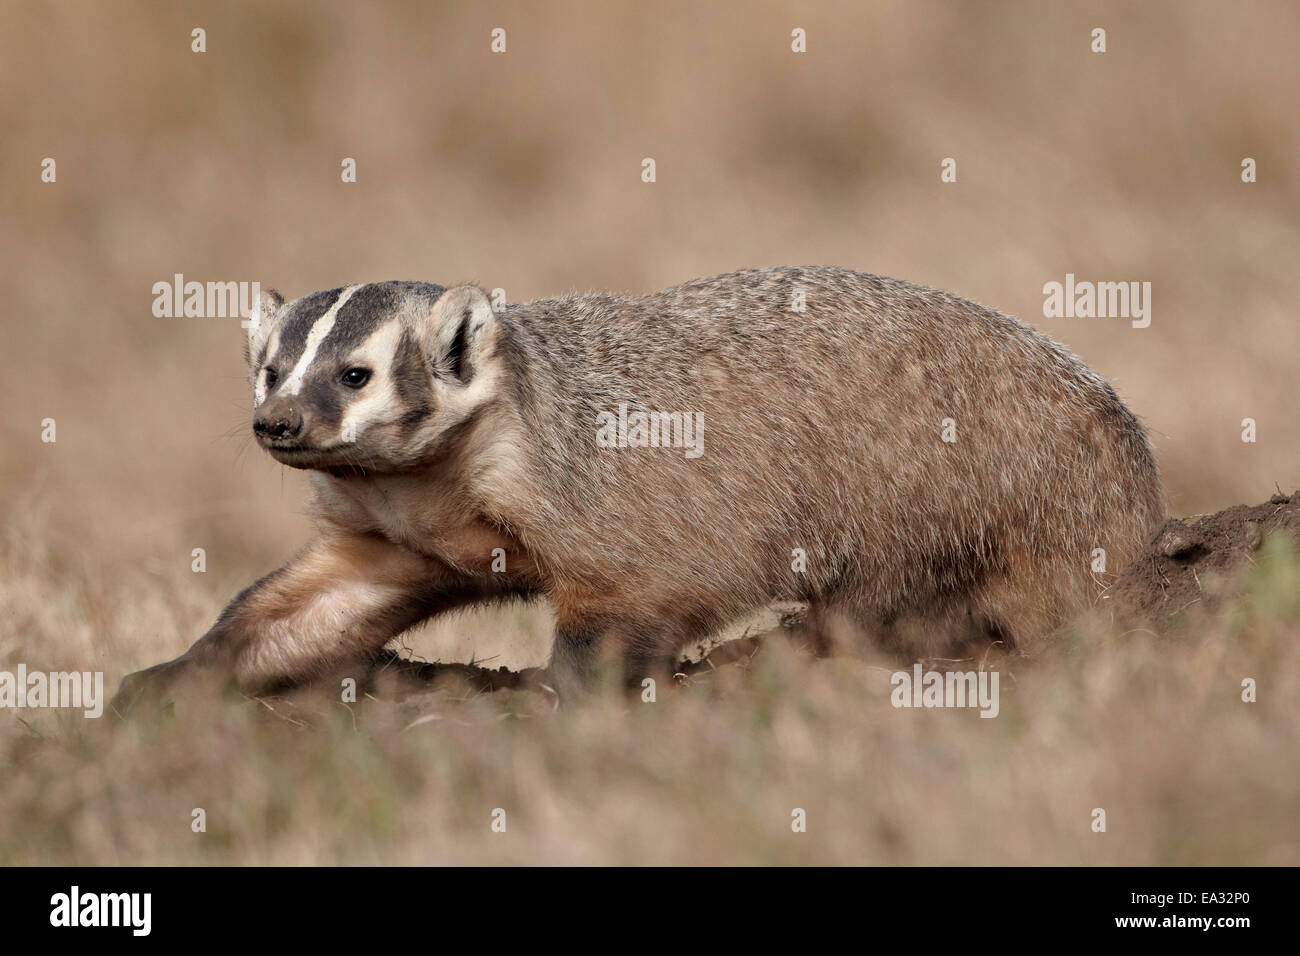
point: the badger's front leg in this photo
(343, 597)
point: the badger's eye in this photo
(271, 377)
(355, 377)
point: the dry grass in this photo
(1151, 729)
(522, 171)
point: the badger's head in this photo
(375, 377)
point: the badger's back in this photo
(823, 430)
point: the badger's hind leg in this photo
(952, 629)
(957, 622)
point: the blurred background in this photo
(522, 170)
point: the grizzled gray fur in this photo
(904, 461)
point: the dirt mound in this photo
(1187, 565)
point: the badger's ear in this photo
(460, 334)
(261, 321)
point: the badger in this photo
(882, 452)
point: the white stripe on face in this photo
(321, 328)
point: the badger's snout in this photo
(281, 423)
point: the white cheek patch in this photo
(272, 347)
(321, 328)
(259, 375)
(259, 389)
(256, 326)
(377, 403)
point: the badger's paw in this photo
(156, 690)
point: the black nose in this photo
(280, 426)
